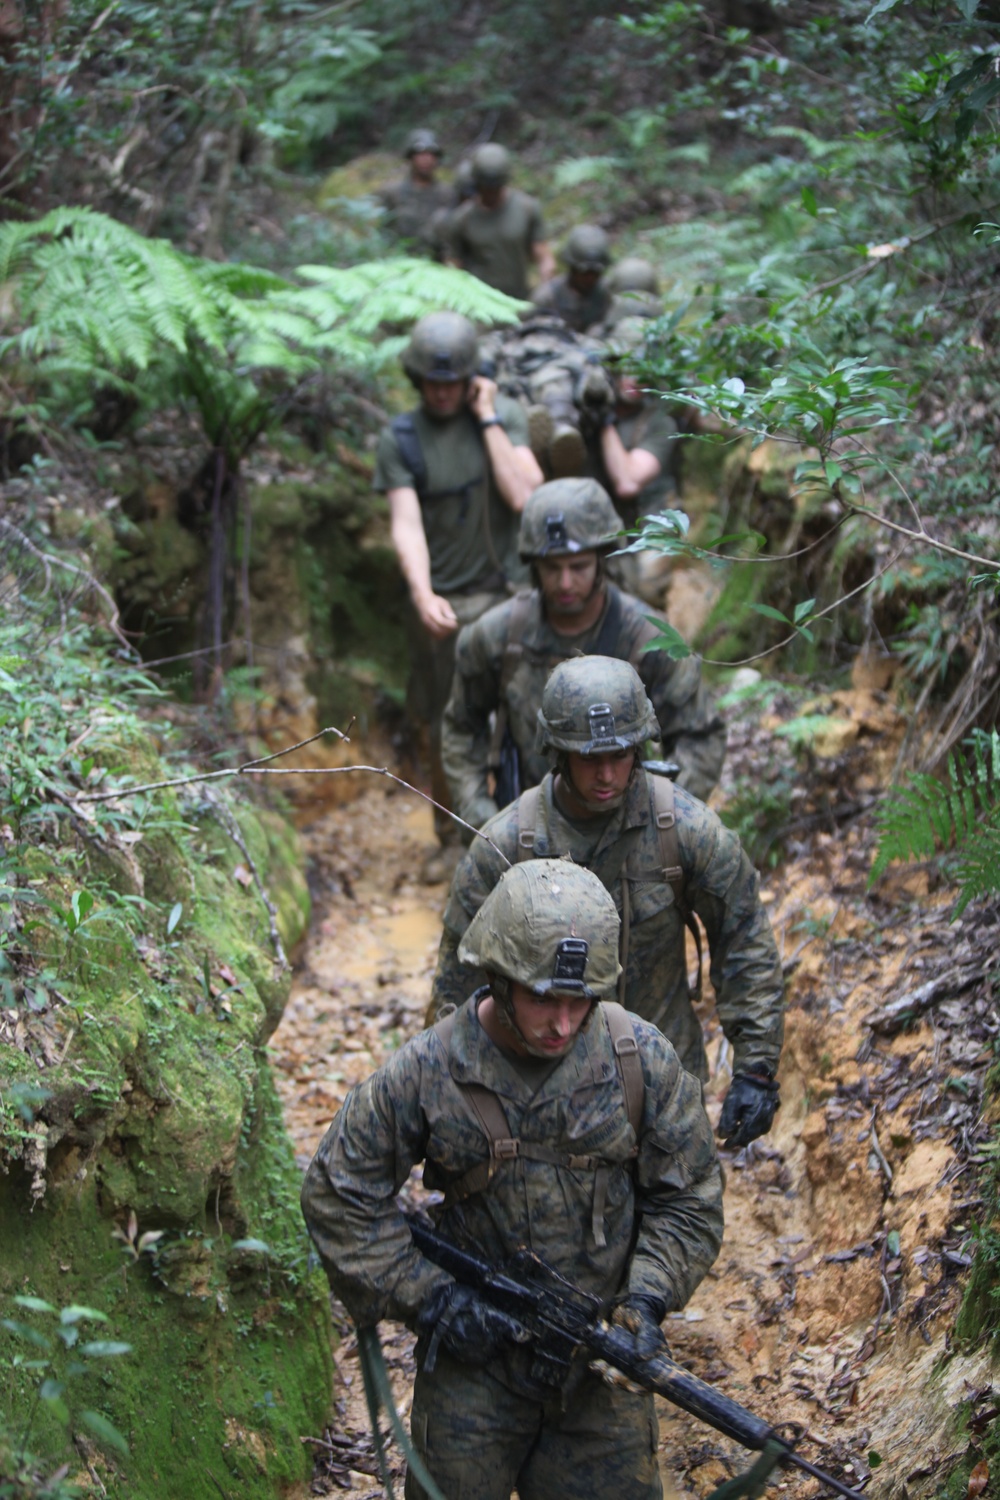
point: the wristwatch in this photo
(490, 422)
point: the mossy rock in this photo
(159, 1111)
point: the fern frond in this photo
(960, 813)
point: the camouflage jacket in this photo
(581, 311)
(720, 885)
(663, 1207)
(691, 733)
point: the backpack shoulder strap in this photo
(403, 429)
(666, 826)
(607, 638)
(528, 813)
(670, 859)
(626, 1050)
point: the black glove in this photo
(455, 1318)
(641, 1314)
(748, 1108)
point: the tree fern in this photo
(960, 814)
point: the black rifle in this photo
(508, 772)
(555, 1319)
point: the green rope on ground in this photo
(752, 1484)
(378, 1393)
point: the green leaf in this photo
(104, 1349)
(104, 1431)
(176, 912)
(968, 8)
(809, 201)
(771, 614)
(35, 1304)
(30, 1335)
(251, 1244)
(669, 640)
(76, 1314)
(892, 1242)
(803, 610)
(51, 1390)
(874, 1459)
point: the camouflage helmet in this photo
(626, 339)
(594, 704)
(422, 140)
(491, 166)
(587, 249)
(568, 515)
(633, 274)
(550, 925)
(443, 346)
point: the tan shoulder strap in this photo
(528, 808)
(666, 826)
(626, 1050)
(670, 860)
(520, 609)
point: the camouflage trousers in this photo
(481, 1441)
(432, 666)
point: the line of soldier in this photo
(559, 1105)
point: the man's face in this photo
(583, 281)
(443, 398)
(601, 780)
(547, 1024)
(423, 165)
(491, 197)
(628, 390)
(567, 582)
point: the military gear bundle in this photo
(443, 346)
(491, 166)
(527, 931)
(587, 249)
(568, 515)
(422, 140)
(592, 705)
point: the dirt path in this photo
(847, 1230)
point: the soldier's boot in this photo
(567, 452)
(541, 430)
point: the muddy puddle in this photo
(832, 1303)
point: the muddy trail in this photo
(848, 1228)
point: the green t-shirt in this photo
(653, 429)
(460, 487)
(410, 209)
(495, 244)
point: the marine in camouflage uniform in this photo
(624, 847)
(496, 673)
(580, 297)
(413, 203)
(632, 1215)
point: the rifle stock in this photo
(558, 1318)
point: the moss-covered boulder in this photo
(146, 1175)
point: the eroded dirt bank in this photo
(833, 1301)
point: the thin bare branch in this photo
(922, 536)
(60, 562)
